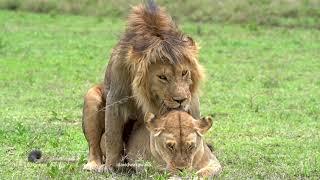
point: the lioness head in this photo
(163, 62)
(176, 137)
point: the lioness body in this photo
(153, 68)
(181, 131)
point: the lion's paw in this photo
(105, 169)
(91, 166)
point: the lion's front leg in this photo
(114, 124)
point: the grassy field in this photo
(262, 88)
(288, 13)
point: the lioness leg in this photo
(212, 167)
(93, 125)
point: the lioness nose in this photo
(180, 169)
(179, 100)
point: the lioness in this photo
(153, 68)
(174, 141)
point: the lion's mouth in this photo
(174, 105)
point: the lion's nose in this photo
(179, 100)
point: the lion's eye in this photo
(170, 146)
(163, 77)
(185, 72)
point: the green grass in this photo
(288, 13)
(262, 88)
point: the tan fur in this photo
(149, 142)
(153, 68)
(93, 124)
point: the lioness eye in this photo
(185, 72)
(190, 147)
(163, 77)
(170, 146)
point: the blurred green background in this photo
(262, 62)
(303, 13)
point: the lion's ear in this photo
(189, 41)
(152, 124)
(203, 125)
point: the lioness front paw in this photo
(175, 177)
(91, 166)
(204, 173)
(208, 172)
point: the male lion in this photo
(153, 68)
(174, 141)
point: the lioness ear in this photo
(203, 125)
(151, 124)
(148, 117)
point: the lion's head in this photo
(163, 62)
(176, 137)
